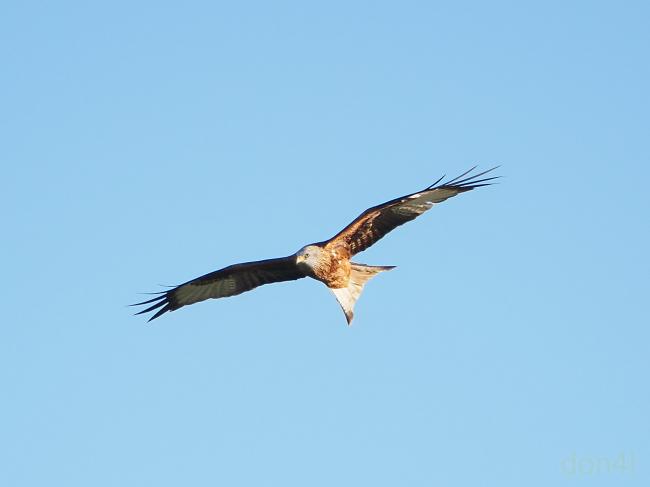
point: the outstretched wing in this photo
(229, 281)
(377, 221)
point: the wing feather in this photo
(229, 281)
(379, 220)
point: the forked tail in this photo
(359, 275)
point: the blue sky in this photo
(148, 143)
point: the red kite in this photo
(328, 261)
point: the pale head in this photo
(309, 256)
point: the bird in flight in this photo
(328, 261)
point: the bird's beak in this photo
(300, 258)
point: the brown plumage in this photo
(328, 261)
(333, 267)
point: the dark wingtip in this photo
(160, 312)
(161, 301)
(470, 182)
(157, 298)
(434, 184)
(458, 177)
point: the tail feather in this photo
(359, 275)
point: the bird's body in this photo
(329, 261)
(331, 265)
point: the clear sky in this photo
(147, 143)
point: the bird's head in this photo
(308, 256)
